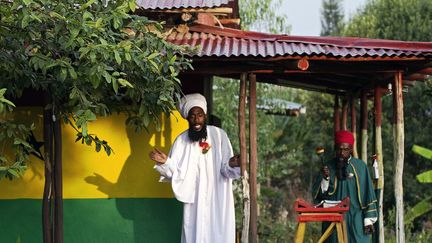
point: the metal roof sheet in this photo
(226, 42)
(169, 4)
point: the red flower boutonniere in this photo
(204, 146)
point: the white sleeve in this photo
(324, 185)
(165, 170)
(229, 172)
(227, 152)
(369, 221)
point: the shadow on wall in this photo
(152, 218)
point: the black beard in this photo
(197, 136)
(341, 169)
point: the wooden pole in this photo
(398, 151)
(243, 158)
(253, 163)
(344, 114)
(354, 125)
(379, 183)
(364, 125)
(336, 115)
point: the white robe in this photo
(203, 183)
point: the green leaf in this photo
(154, 65)
(7, 102)
(427, 153)
(87, 4)
(25, 21)
(128, 56)
(27, 2)
(153, 55)
(98, 147)
(425, 177)
(132, 5)
(72, 73)
(13, 172)
(56, 15)
(99, 23)
(115, 85)
(173, 59)
(419, 209)
(63, 74)
(117, 57)
(124, 82)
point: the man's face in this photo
(196, 118)
(343, 150)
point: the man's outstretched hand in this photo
(234, 161)
(158, 156)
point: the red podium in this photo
(307, 212)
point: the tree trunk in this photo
(47, 229)
(253, 161)
(379, 187)
(58, 183)
(398, 150)
(243, 158)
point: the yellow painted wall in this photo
(128, 173)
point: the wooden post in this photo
(379, 186)
(344, 114)
(398, 151)
(253, 163)
(364, 125)
(336, 115)
(243, 158)
(354, 125)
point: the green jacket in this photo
(359, 188)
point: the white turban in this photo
(189, 101)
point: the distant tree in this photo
(409, 20)
(332, 18)
(263, 15)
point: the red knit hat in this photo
(344, 137)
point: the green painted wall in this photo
(96, 220)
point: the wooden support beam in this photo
(243, 158)
(398, 151)
(364, 125)
(379, 184)
(344, 125)
(336, 115)
(354, 124)
(229, 21)
(195, 10)
(253, 160)
(426, 71)
(416, 76)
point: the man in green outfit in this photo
(346, 176)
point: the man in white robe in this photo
(201, 167)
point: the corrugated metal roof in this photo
(169, 4)
(226, 42)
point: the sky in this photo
(304, 16)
